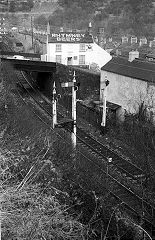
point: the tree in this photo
(138, 13)
(12, 7)
(30, 4)
(136, 6)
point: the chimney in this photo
(101, 37)
(118, 52)
(133, 55)
(90, 28)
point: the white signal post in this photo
(54, 106)
(104, 97)
(74, 110)
(74, 89)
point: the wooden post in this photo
(48, 32)
(32, 29)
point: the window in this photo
(82, 47)
(75, 57)
(133, 40)
(58, 58)
(81, 59)
(58, 48)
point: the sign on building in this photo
(66, 37)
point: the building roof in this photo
(142, 70)
(70, 37)
(150, 55)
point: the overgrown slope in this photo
(117, 17)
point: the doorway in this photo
(69, 60)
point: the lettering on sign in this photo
(67, 37)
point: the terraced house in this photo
(131, 84)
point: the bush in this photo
(30, 214)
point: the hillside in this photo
(44, 8)
(117, 17)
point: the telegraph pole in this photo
(32, 30)
(48, 32)
(25, 27)
(54, 106)
(104, 96)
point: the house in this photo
(75, 48)
(3, 6)
(131, 84)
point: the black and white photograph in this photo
(77, 119)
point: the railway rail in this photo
(97, 157)
(122, 164)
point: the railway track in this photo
(128, 168)
(98, 156)
(119, 190)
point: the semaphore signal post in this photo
(104, 97)
(74, 87)
(54, 109)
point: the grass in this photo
(30, 209)
(44, 194)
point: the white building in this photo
(131, 84)
(71, 48)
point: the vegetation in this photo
(137, 131)
(23, 6)
(33, 205)
(28, 213)
(125, 17)
(44, 192)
